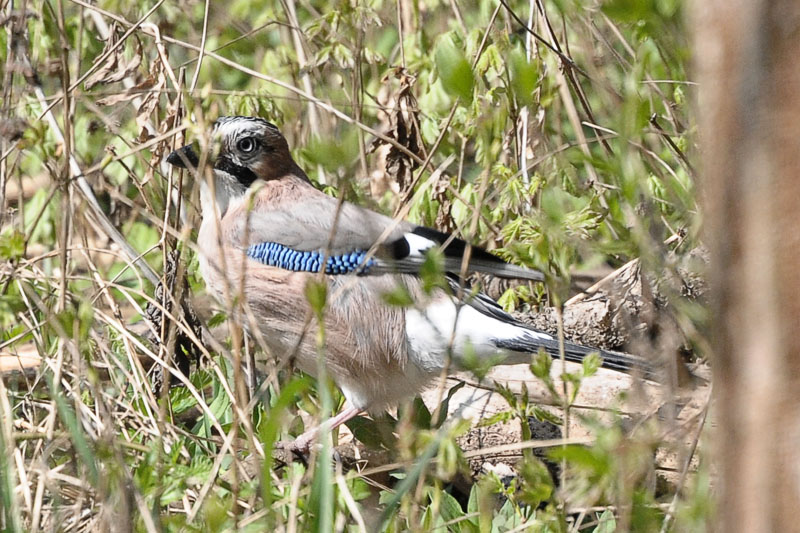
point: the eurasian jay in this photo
(266, 231)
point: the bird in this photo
(267, 232)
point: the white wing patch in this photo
(430, 332)
(418, 245)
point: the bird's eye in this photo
(246, 145)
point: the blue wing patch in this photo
(278, 255)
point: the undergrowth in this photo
(556, 133)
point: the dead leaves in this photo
(137, 90)
(12, 129)
(116, 69)
(444, 217)
(157, 82)
(396, 167)
(403, 128)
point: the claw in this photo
(301, 446)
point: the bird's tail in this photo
(522, 346)
(495, 268)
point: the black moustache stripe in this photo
(243, 175)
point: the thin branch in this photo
(196, 75)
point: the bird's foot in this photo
(300, 449)
(300, 446)
(297, 449)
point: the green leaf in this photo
(12, 245)
(430, 130)
(507, 518)
(478, 365)
(317, 295)
(442, 416)
(628, 10)
(449, 459)
(220, 405)
(268, 432)
(580, 456)
(79, 439)
(217, 319)
(541, 365)
(537, 485)
(490, 58)
(410, 480)
(85, 317)
(399, 297)
(591, 363)
(607, 523)
(372, 433)
(143, 236)
(449, 508)
(41, 212)
(359, 488)
(432, 270)
(508, 300)
(679, 95)
(482, 501)
(523, 77)
(502, 416)
(546, 416)
(215, 513)
(454, 70)
(422, 417)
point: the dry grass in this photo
(94, 96)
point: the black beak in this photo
(184, 157)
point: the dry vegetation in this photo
(555, 133)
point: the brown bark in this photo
(749, 117)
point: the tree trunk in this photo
(747, 54)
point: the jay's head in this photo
(243, 150)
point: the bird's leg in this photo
(302, 444)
